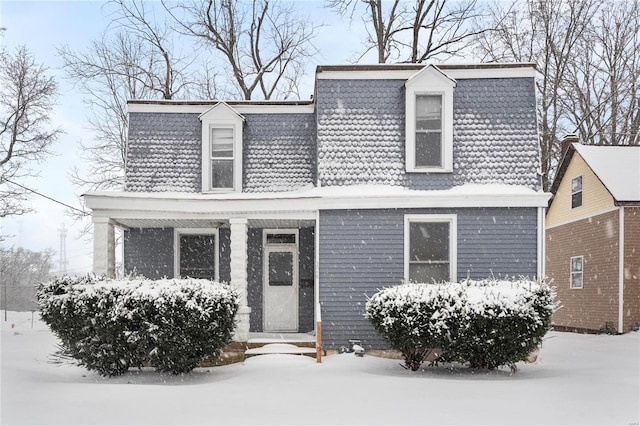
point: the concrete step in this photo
(280, 348)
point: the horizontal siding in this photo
(362, 252)
(149, 252)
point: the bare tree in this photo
(603, 81)
(27, 95)
(21, 270)
(414, 31)
(134, 59)
(263, 45)
(546, 33)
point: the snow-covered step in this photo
(280, 348)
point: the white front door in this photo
(280, 287)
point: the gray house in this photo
(391, 173)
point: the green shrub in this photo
(486, 324)
(112, 325)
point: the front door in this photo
(280, 287)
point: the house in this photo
(390, 173)
(593, 238)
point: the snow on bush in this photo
(112, 325)
(488, 323)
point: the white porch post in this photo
(104, 247)
(239, 275)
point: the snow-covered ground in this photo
(578, 379)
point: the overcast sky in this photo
(44, 25)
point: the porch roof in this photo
(295, 208)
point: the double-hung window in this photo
(577, 267)
(430, 248)
(222, 158)
(428, 131)
(576, 192)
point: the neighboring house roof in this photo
(617, 167)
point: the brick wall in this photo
(597, 240)
(631, 312)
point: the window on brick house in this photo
(576, 192)
(577, 266)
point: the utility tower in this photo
(63, 250)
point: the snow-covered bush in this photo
(112, 325)
(487, 323)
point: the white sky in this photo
(45, 25)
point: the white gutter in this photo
(621, 273)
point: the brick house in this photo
(390, 173)
(593, 238)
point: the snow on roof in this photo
(617, 167)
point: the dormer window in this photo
(428, 131)
(221, 158)
(429, 122)
(221, 149)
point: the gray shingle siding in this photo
(361, 134)
(149, 252)
(164, 152)
(361, 251)
(279, 152)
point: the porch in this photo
(269, 257)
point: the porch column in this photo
(104, 247)
(239, 275)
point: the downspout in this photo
(316, 292)
(621, 272)
(541, 243)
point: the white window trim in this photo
(434, 86)
(453, 240)
(177, 232)
(581, 191)
(571, 273)
(219, 117)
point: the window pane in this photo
(576, 184)
(221, 173)
(576, 264)
(221, 143)
(429, 272)
(576, 200)
(281, 238)
(576, 280)
(197, 256)
(429, 241)
(428, 149)
(280, 269)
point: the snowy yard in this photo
(578, 379)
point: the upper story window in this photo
(429, 122)
(576, 192)
(221, 149)
(430, 248)
(428, 131)
(221, 158)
